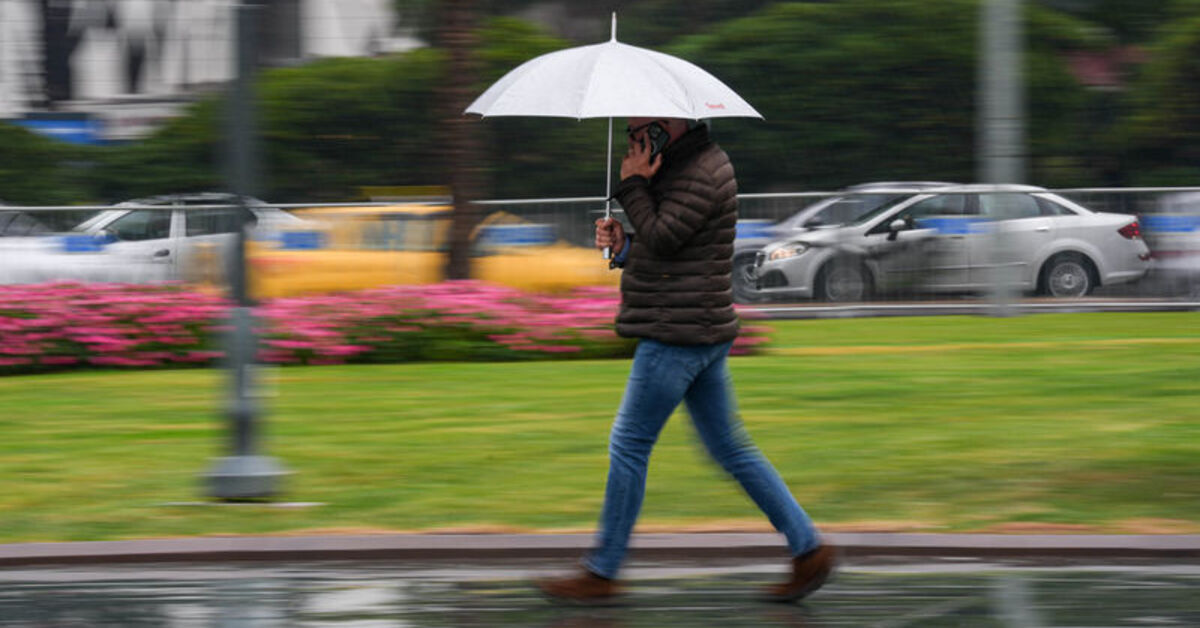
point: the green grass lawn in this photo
(1080, 422)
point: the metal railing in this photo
(571, 220)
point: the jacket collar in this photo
(687, 145)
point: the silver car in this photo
(829, 212)
(959, 239)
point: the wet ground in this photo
(929, 594)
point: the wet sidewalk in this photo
(400, 581)
(930, 593)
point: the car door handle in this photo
(162, 252)
(1043, 228)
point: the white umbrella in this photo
(610, 80)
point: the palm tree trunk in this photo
(462, 157)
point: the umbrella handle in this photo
(607, 251)
(608, 163)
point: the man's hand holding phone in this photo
(640, 159)
(610, 233)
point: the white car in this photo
(143, 241)
(959, 239)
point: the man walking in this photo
(680, 195)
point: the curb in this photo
(983, 307)
(470, 547)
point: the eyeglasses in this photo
(653, 129)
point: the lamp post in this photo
(1001, 146)
(243, 474)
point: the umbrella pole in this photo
(608, 186)
(608, 164)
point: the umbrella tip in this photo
(614, 26)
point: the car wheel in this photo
(842, 280)
(1067, 276)
(745, 283)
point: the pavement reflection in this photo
(366, 595)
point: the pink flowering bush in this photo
(71, 325)
(455, 320)
(63, 325)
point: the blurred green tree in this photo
(336, 125)
(180, 157)
(654, 23)
(1131, 20)
(537, 156)
(35, 170)
(1161, 132)
(852, 90)
(328, 127)
(882, 89)
(333, 126)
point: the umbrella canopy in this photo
(611, 80)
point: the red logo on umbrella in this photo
(719, 105)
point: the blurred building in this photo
(112, 70)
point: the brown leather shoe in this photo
(585, 588)
(809, 572)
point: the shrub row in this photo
(71, 325)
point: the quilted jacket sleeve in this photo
(682, 210)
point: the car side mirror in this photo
(895, 227)
(813, 223)
(106, 236)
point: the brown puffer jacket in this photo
(677, 283)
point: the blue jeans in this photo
(662, 376)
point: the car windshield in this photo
(839, 210)
(868, 216)
(93, 220)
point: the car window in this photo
(840, 211)
(1008, 206)
(143, 224)
(883, 208)
(940, 205)
(383, 235)
(24, 224)
(1048, 207)
(850, 208)
(211, 221)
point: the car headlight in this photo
(790, 250)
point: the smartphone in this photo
(658, 137)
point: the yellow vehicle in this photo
(350, 248)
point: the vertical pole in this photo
(1001, 146)
(1001, 119)
(607, 253)
(243, 474)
